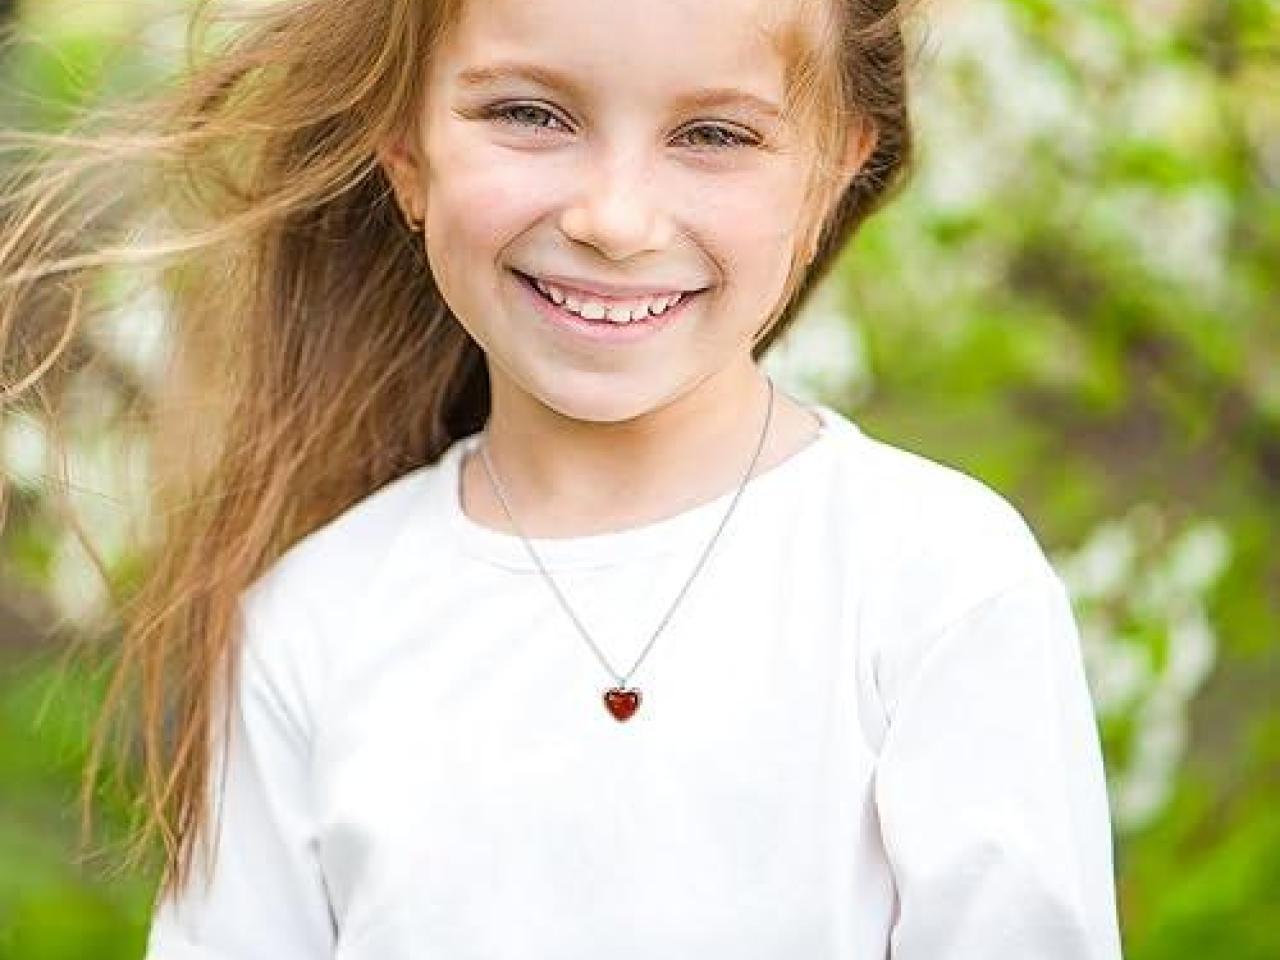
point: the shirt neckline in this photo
(652, 539)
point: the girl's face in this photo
(612, 145)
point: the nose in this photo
(618, 210)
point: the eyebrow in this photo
(704, 98)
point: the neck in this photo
(566, 476)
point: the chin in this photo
(595, 397)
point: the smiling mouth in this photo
(636, 312)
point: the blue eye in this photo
(532, 115)
(521, 114)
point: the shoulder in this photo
(936, 547)
(941, 515)
(353, 549)
(933, 539)
(326, 576)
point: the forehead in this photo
(638, 46)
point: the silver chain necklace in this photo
(620, 700)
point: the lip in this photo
(601, 331)
(610, 292)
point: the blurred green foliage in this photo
(1075, 300)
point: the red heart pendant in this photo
(622, 703)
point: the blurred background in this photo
(1075, 300)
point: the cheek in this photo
(480, 202)
(478, 205)
(478, 193)
(753, 240)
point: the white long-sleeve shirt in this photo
(864, 733)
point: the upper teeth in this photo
(590, 309)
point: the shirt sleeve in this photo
(991, 792)
(265, 899)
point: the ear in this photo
(859, 145)
(398, 157)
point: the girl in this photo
(504, 608)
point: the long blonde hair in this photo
(306, 331)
